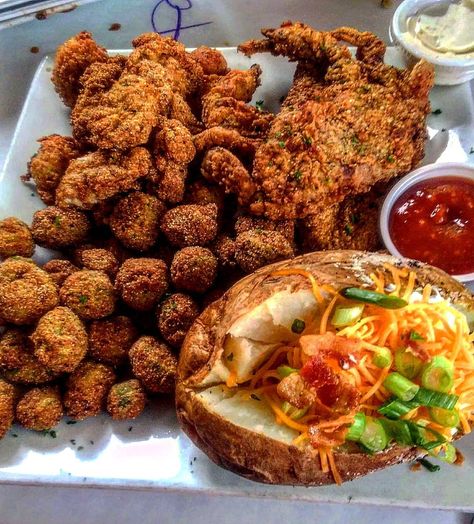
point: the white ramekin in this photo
(449, 70)
(423, 173)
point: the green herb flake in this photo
(471, 151)
(416, 336)
(298, 326)
(348, 229)
(432, 468)
(73, 441)
(130, 428)
(390, 158)
(436, 112)
(259, 105)
(255, 397)
(57, 221)
(354, 218)
(80, 448)
(281, 144)
(83, 299)
(53, 434)
(14, 435)
(297, 175)
(230, 357)
(70, 422)
(307, 140)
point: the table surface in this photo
(222, 23)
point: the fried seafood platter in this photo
(328, 367)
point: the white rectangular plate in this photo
(152, 452)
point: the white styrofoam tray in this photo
(152, 452)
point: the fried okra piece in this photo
(49, 164)
(190, 225)
(200, 192)
(59, 270)
(126, 400)
(141, 282)
(17, 361)
(87, 389)
(175, 316)
(56, 228)
(135, 220)
(154, 365)
(111, 339)
(99, 260)
(40, 408)
(90, 294)
(224, 249)
(60, 340)
(193, 269)
(15, 238)
(26, 291)
(285, 227)
(7, 406)
(257, 248)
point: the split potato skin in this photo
(254, 455)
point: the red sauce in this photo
(434, 222)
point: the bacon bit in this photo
(326, 437)
(344, 350)
(293, 390)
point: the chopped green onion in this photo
(299, 413)
(285, 371)
(400, 386)
(449, 418)
(382, 358)
(438, 375)
(374, 438)
(396, 408)
(298, 325)
(373, 297)
(357, 427)
(345, 316)
(407, 364)
(428, 465)
(292, 411)
(448, 453)
(285, 407)
(398, 430)
(426, 397)
(414, 335)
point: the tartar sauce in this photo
(449, 34)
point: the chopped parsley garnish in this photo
(297, 175)
(130, 428)
(57, 221)
(255, 397)
(307, 140)
(281, 144)
(436, 112)
(80, 448)
(354, 218)
(390, 158)
(83, 299)
(348, 229)
(69, 422)
(298, 325)
(416, 336)
(14, 435)
(73, 441)
(259, 105)
(230, 357)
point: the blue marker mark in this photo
(178, 9)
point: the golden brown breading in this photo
(229, 139)
(212, 61)
(200, 192)
(59, 270)
(190, 225)
(90, 294)
(7, 406)
(56, 228)
(126, 400)
(49, 164)
(71, 60)
(40, 408)
(135, 220)
(98, 176)
(60, 340)
(225, 104)
(193, 269)
(14, 344)
(222, 167)
(154, 365)
(246, 223)
(181, 111)
(26, 291)
(175, 316)
(346, 124)
(87, 389)
(141, 282)
(15, 238)
(100, 260)
(110, 339)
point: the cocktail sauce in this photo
(433, 221)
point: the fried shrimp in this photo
(154, 365)
(126, 400)
(7, 406)
(49, 164)
(56, 228)
(175, 316)
(87, 389)
(100, 175)
(193, 269)
(135, 220)
(71, 60)
(89, 294)
(110, 339)
(26, 291)
(15, 238)
(141, 282)
(60, 340)
(190, 225)
(40, 408)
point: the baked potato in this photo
(291, 378)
